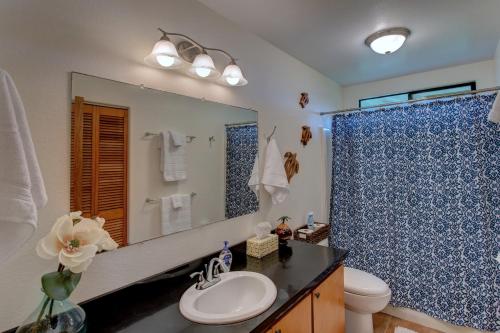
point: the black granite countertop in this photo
(151, 307)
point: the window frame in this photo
(471, 84)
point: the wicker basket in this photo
(314, 237)
(259, 248)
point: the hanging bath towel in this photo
(173, 155)
(274, 176)
(175, 213)
(22, 191)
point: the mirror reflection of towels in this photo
(175, 219)
(173, 156)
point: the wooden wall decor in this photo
(306, 135)
(291, 165)
(99, 165)
(304, 99)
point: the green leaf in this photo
(59, 285)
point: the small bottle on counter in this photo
(226, 256)
(310, 221)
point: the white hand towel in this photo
(274, 176)
(175, 219)
(22, 191)
(494, 115)
(172, 160)
(176, 201)
(254, 180)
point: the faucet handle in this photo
(201, 278)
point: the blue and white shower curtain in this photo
(416, 199)
(241, 150)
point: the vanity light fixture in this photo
(164, 54)
(233, 76)
(387, 41)
(203, 66)
(194, 59)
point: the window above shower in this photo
(417, 94)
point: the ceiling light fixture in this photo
(167, 55)
(387, 41)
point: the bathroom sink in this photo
(238, 296)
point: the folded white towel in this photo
(172, 160)
(254, 180)
(178, 139)
(274, 176)
(175, 219)
(494, 115)
(22, 190)
(176, 201)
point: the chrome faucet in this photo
(212, 274)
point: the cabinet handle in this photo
(277, 331)
(317, 294)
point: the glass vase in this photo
(52, 316)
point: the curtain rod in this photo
(359, 109)
(241, 124)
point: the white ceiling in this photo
(329, 35)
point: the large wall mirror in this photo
(153, 163)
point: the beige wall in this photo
(43, 41)
(497, 63)
(482, 72)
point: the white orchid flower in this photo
(74, 240)
(106, 243)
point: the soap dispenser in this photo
(226, 256)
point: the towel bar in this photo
(189, 138)
(153, 201)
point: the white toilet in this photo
(364, 294)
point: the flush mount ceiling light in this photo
(167, 55)
(387, 41)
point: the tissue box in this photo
(258, 248)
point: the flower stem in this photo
(41, 312)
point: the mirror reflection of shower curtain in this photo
(241, 150)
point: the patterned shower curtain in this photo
(416, 199)
(241, 149)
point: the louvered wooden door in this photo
(99, 165)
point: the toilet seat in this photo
(363, 283)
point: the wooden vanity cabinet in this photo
(320, 312)
(328, 304)
(297, 320)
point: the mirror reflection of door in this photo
(99, 165)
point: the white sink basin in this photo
(238, 296)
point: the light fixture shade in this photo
(164, 55)
(387, 41)
(203, 67)
(233, 76)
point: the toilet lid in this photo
(363, 283)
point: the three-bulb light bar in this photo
(165, 55)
